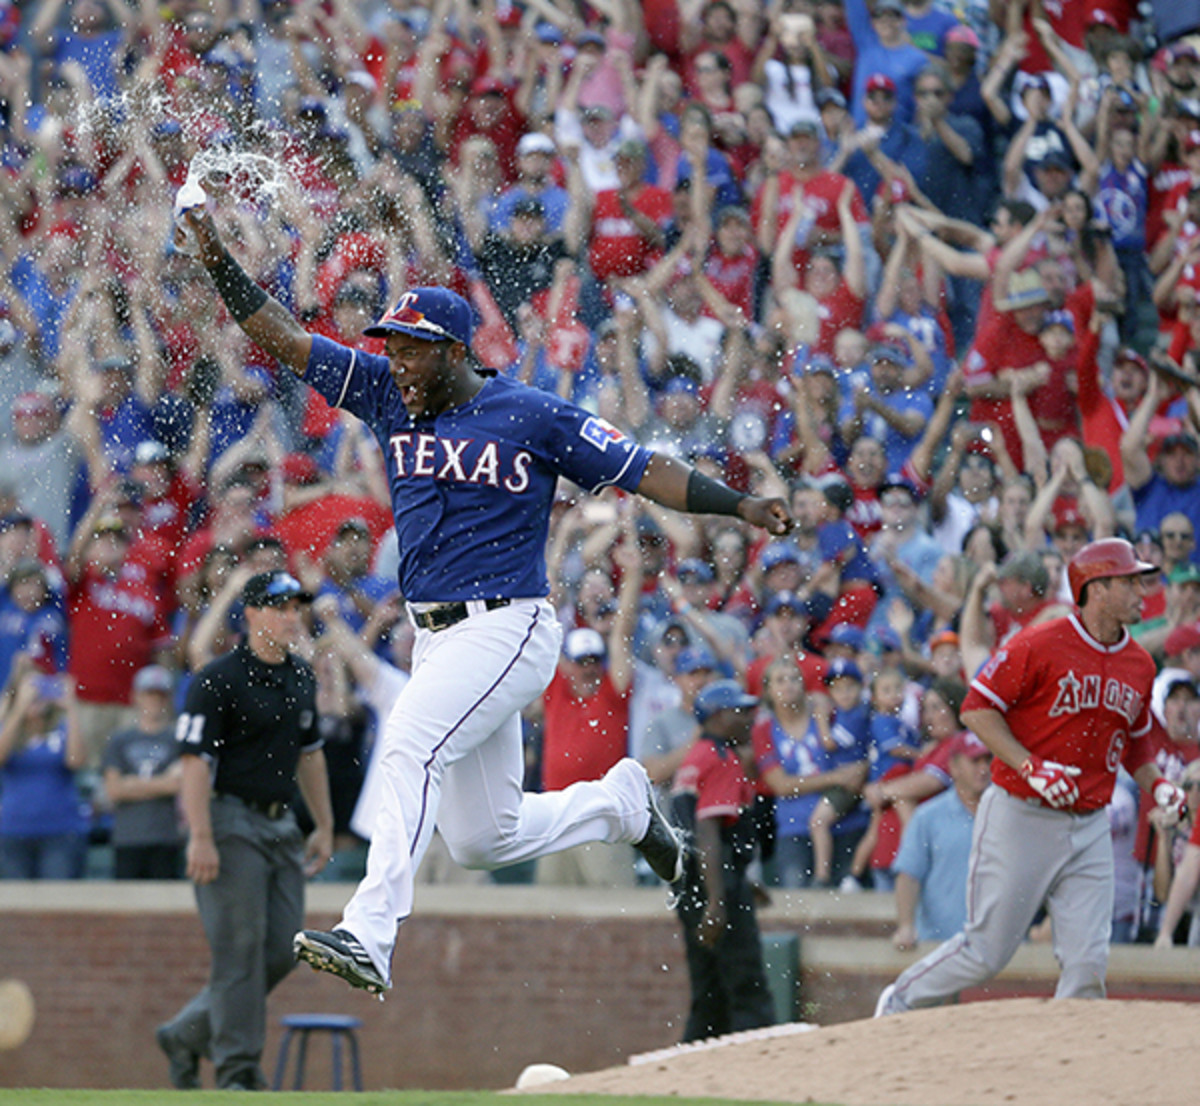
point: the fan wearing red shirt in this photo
(794, 173)
(627, 223)
(1009, 342)
(586, 727)
(840, 292)
(732, 265)
(1062, 706)
(116, 627)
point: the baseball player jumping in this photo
(472, 461)
(1061, 705)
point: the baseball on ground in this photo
(16, 1013)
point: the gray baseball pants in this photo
(1024, 855)
(250, 913)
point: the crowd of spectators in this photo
(928, 270)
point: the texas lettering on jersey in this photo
(1077, 694)
(462, 460)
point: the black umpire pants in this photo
(250, 914)
(728, 981)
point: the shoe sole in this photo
(656, 814)
(322, 958)
(885, 997)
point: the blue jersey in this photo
(473, 485)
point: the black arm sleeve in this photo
(706, 496)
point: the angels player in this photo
(1061, 705)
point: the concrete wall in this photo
(506, 975)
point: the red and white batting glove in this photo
(1169, 798)
(1054, 782)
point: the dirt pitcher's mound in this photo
(1019, 1052)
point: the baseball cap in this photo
(897, 481)
(1182, 51)
(805, 125)
(631, 148)
(847, 634)
(779, 553)
(535, 143)
(434, 314)
(881, 82)
(1054, 159)
(966, 744)
(1182, 638)
(692, 568)
(582, 643)
(528, 206)
(548, 33)
(887, 6)
(946, 637)
(154, 677)
(150, 452)
(589, 38)
(1098, 17)
(694, 658)
(721, 695)
(840, 669)
(883, 639)
(964, 35)
(1027, 567)
(113, 365)
(830, 96)
(1171, 441)
(1059, 318)
(487, 86)
(889, 351)
(786, 601)
(273, 589)
(1067, 515)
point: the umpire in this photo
(248, 734)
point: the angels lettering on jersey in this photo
(1088, 692)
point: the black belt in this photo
(441, 616)
(274, 810)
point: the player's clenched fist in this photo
(1054, 782)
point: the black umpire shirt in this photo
(251, 721)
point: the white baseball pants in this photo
(1021, 856)
(452, 756)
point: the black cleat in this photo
(341, 954)
(662, 846)
(183, 1065)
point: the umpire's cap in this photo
(1102, 560)
(434, 314)
(721, 695)
(273, 589)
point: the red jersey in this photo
(839, 310)
(713, 772)
(115, 627)
(821, 193)
(582, 738)
(617, 248)
(1002, 345)
(1069, 698)
(733, 277)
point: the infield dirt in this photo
(1015, 1052)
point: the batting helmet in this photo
(1101, 560)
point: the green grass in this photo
(49, 1097)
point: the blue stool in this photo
(337, 1026)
